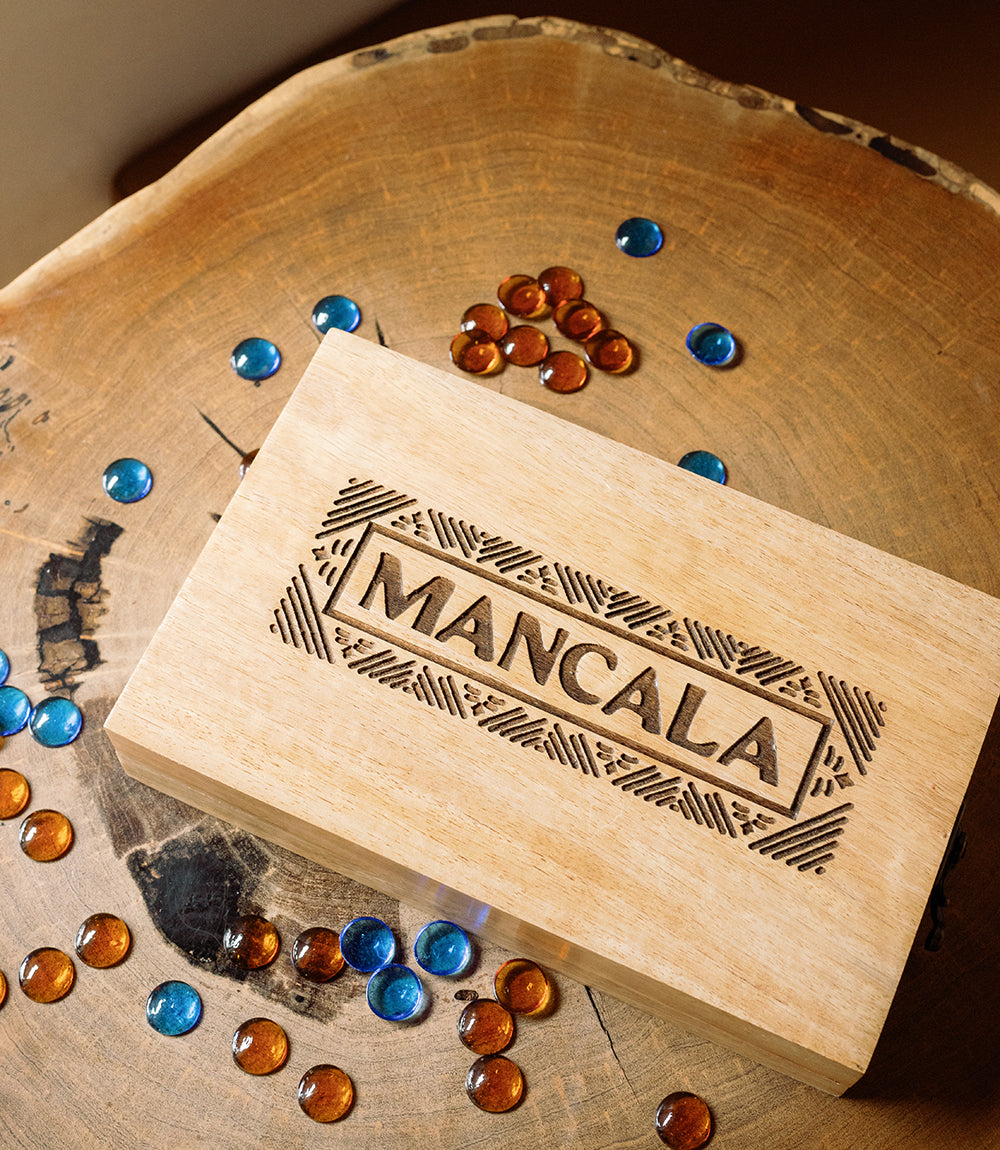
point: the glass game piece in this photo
(443, 948)
(525, 346)
(473, 351)
(522, 296)
(560, 284)
(494, 1083)
(14, 793)
(486, 317)
(103, 940)
(486, 1027)
(47, 974)
(255, 359)
(14, 710)
(523, 987)
(683, 1121)
(367, 943)
(704, 463)
(173, 1008)
(127, 480)
(711, 344)
(563, 371)
(45, 835)
(3, 988)
(252, 942)
(55, 722)
(336, 311)
(639, 237)
(4, 667)
(247, 460)
(260, 1046)
(578, 320)
(394, 992)
(316, 954)
(610, 351)
(325, 1093)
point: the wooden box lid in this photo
(669, 740)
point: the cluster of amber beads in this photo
(486, 341)
(45, 835)
(683, 1121)
(252, 942)
(260, 1046)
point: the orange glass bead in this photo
(525, 346)
(486, 1027)
(578, 320)
(46, 835)
(494, 1083)
(316, 954)
(473, 351)
(252, 942)
(260, 1046)
(563, 371)
(326, 1093)
(247, 460)
(3, 988)
(523, 987)
(610, 351)
(14, 793)
(560, 284)
(103, 940)
(683, 1121)
(486, 317)
(47, 974)
(522, 296)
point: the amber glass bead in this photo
(523, 987)
(610, 351)
(103, 940)
(522, 296)
(563, 371)
(47, 974)
(260, 1046)
(494, 1083)
(683, 1121)
(326, 1093)
(252, 942)
(486, 1027)
(14, 793)
(3, 988)
(46, 835)
(316, 954)
(486, 317)
(560, 284)
(247, 460)
(525, 346)
(473, 351)
(578, 319)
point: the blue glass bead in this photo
(4, 667)
(704, 463)
(173, 1008)
(127, 480)
(336, 311)
(255, 358)
(367, 943)
(711, 344)
(55, 722)
(14, 710)
(639, 237)
(395, 993)
(443, 948)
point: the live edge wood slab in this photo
(578, 700)
(859, 273)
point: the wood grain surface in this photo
(413, 177)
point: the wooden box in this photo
(669, 740)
